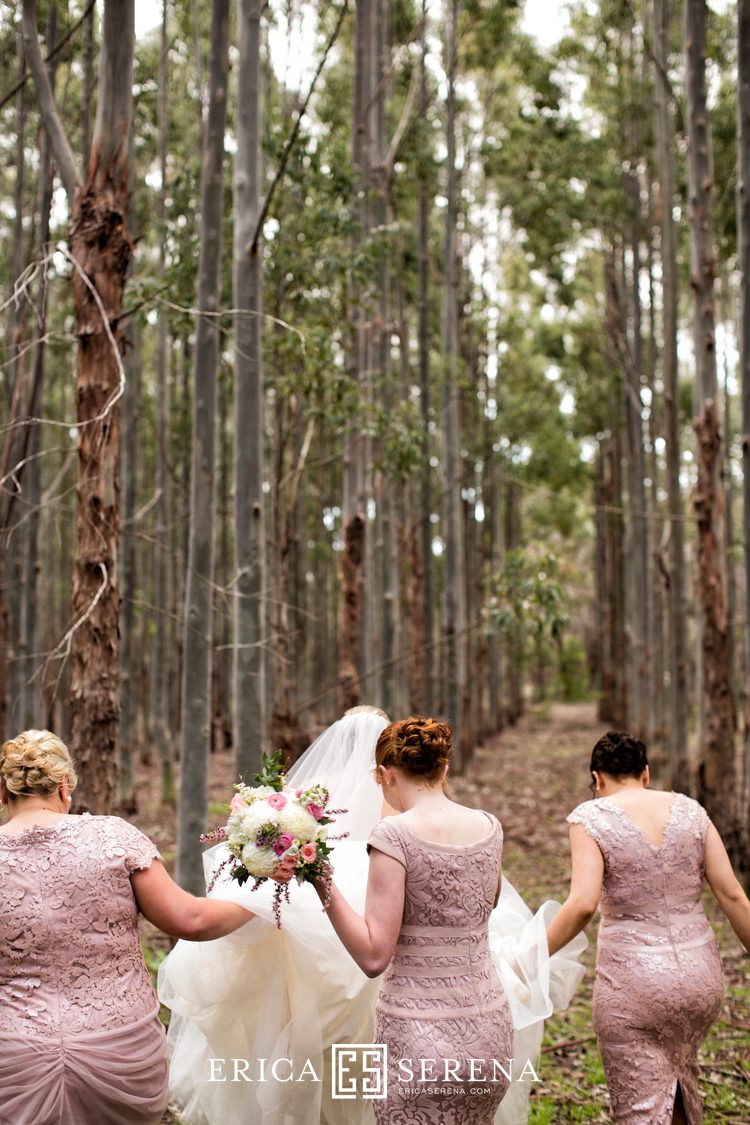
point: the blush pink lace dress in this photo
(440, 999)
(659, 983)
(80, 1038)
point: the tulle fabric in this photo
(264, 993)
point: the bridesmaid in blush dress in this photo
(641, 855)
(81, 1042)
(434, 879)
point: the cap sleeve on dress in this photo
(589, 816)
(386, 838)
(700, 818)
(140, 852)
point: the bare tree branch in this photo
(398, 54)
(253, 246)
(398, 135)
(61, 150)
(47, 58)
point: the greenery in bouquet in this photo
(274, 831)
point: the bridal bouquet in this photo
(275, 831)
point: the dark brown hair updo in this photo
(419, 747)
(619, 754)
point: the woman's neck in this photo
(417, 795)
(28, 808)
(613, 786)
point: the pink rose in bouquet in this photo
(284, 843)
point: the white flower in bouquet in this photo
(277, 832)
(260, 862)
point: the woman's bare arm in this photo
(371, 939)
(585, 890)
(180, 914)
(726, 886)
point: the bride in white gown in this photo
(268, 994)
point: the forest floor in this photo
(531, 776)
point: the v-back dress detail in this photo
(80, 1038)
(441, 1000)
(659, 983)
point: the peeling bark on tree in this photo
(100, 250)
(351, 617)
(101, 246)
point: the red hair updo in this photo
(421, 748)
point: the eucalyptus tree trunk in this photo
(100, 248)
(13, 439)
(250, 714)
(613, 701)
(678, 720)
(724, 308)
(743, 228)
(130, 657)
(604, 677)
(655, 424)
(195, 724)
(454, 624)
(161, 737)
(515, 642)
(423, 342)
(29, 619)
(354, 501)
(17, 308)
(88, 84)
(640, 719)
(717, 772)
(494, 562)
(384, 612)
(635, 574)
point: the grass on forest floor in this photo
(531, 777)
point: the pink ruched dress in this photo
(659, 983)
(80, 1038)
(442, 1012)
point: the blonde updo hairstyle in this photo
(421, 748)
(365, 709)
(35, 763)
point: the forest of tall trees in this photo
(391, 352)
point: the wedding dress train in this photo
(275, 995)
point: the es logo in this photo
(359, 1070)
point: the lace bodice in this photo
(70, 957)
(650, 894)
(441, 997)
(449, 895)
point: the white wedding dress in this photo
(268, 994)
